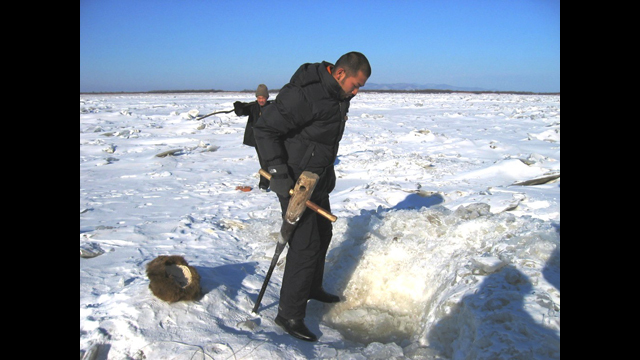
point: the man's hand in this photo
(280, 182)
(237, 107)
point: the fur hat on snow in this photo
(172, 279)
(262, 91)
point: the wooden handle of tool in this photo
(265, 174)
(310, 204)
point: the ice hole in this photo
(397, 269)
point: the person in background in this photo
(300, 132)
(254, 109)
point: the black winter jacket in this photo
(254, 110)
(304, 126)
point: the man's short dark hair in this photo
(352, 62)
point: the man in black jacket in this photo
(301, 131)
(254, 110)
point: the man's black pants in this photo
(304, 269)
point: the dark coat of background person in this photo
(253, 110)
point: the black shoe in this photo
(296, 328)
(324, 296)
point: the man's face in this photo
(350, 84)
(261, 100)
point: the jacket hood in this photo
(310, 73)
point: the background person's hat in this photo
(262, 91)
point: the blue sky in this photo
(144, 45)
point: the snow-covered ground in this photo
(447, 243)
